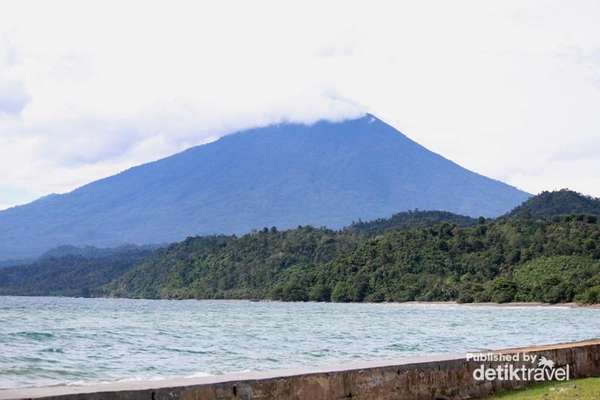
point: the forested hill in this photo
(411, 219)
(71, 271)
(506, 260)
(562, 202)
(418, 255)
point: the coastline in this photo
(451, 302)
(512, 304)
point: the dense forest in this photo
(561, 202)
(553, 261)
(411, 219)
(71, 271)
(546, 254)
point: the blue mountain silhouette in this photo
(284, 175)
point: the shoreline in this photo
(415, 302)
(512, 304)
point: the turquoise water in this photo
(53, 341)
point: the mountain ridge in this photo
(284, 175)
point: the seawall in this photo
(425, 378)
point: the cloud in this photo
(581, 149)
(586, 60)
(13, 97)
(500, 88)
(345, 44)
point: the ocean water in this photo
(56, 341)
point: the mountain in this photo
(328, 173)
(561, 202)
(12, 262)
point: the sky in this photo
(509, 89)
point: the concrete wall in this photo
(441, 378)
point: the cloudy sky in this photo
(510, 89)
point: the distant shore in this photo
(512, 304)
(474, 304)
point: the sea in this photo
(49, 341)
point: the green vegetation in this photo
(417, 255)
(411, 219)
(70, 271)
(562, 202)
(581, 389)
(501, 261)
(558, 279)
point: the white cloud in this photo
(90, 88)
(13, 97)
